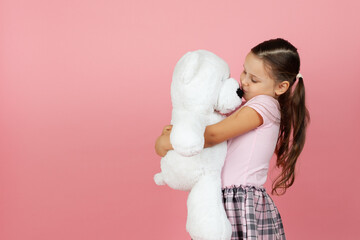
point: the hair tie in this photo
(298, 76)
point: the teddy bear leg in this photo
(207, 218)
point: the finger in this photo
(168, 127)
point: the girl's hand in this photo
(162, 144)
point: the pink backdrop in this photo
(85, 91)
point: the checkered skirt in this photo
(252, 213)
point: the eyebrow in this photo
(253, 74)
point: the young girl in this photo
(274, 118)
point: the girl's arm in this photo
(238, 123)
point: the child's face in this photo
(255, 80)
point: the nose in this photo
(244, 81)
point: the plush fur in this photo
(201, 93)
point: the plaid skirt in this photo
(252, 213)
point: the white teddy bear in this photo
(200, 90)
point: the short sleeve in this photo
(267, 106)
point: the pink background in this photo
(85, 91)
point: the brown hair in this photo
(282, 61)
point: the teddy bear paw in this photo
(159, 180)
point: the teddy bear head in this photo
(200, 87)
(201, 82)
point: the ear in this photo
(281, 88)
(187, 67)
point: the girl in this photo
(274, 118)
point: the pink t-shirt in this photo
(248, 155)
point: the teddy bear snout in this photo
(229, 97)
(240, 92)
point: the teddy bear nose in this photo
(240, 92)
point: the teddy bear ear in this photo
(187, 67)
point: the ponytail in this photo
(295, 118)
